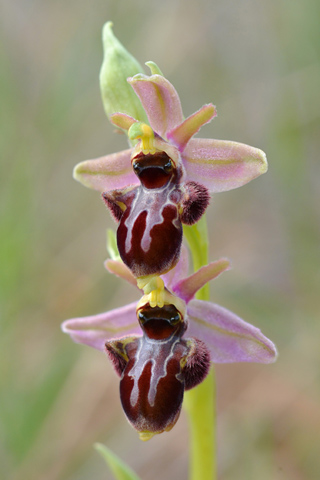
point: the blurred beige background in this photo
(258, 62)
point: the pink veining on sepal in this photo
(222, 165)
(181, 134)
(228, 337)
(160, 100)
(109, 172)
(94, 330)
(188, 287)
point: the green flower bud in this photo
(118, 65)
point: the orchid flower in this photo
(165, 179)
(150, 215)
(212, 330)
(219, 165)
(157, 367)
(228, 337)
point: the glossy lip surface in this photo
(153, 170)
(161, 323)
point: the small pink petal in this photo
(160, 101)
(122, 120)
(181, 134)
(96, 329)
(121, 270)
(221, 165)
(228, 337)
(187, 288)
(110, 172)
(172, 277)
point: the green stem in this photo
(200, 401)
(197, 238)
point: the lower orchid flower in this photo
(211, 332)
(157, 367)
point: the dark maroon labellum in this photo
(161, 323)
(156, 368)
(149, 235)
(153, 170)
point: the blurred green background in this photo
(258, 62)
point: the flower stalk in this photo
(197, 238)
(199, 403)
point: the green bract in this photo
(118, 64)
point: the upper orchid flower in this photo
(212, 328)
(165, 179)
(150, 215)
(219, 165)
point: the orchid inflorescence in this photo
(163, 181)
